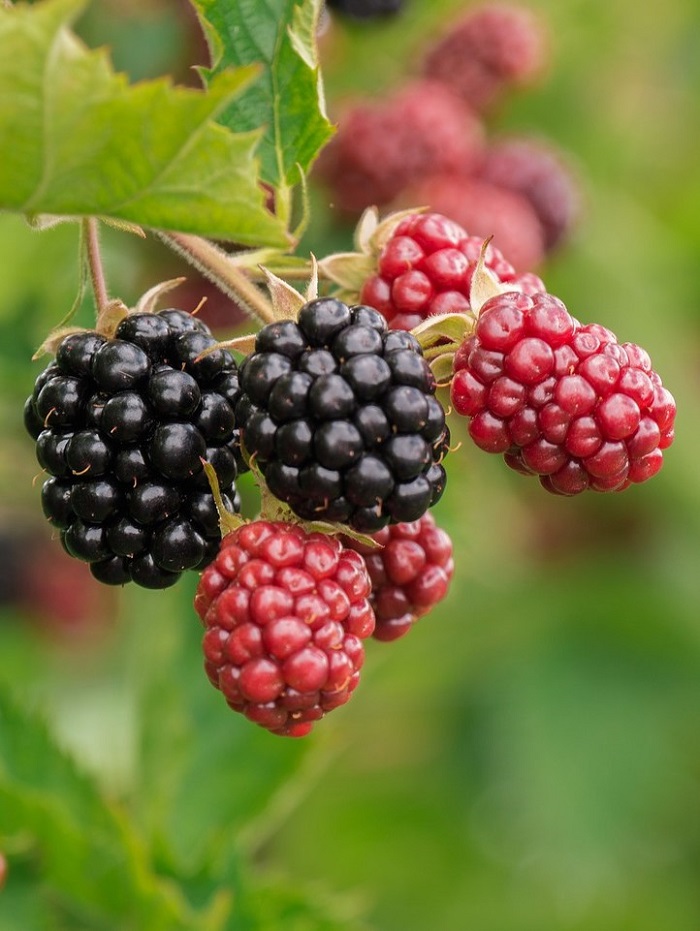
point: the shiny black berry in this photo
(342, 419)
(176, 450)
(56, 502)
(365, 9)
(118, 365)
(74, 355)
(126, 417)
(149, 332)
(121, 427)
(51, 452)
(59, 403)
(172, 392)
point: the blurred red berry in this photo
(536, 171)
(383, 146)
(493, 48)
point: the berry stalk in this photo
(217, 266)
(94, 260)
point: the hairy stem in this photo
(216, 265)
(94, 260)
(288, 272)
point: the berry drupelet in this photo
(121, 427)
(285, 613)
(559, 400)
(341, 417)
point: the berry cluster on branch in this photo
(143, 424)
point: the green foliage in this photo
(86, 143)
(93, 861)
(281, 35)
(170, 853)
(527, 758)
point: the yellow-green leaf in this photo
(77, 139)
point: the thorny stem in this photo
(94, 259)
(215, 264)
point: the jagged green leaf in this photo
(78, 140)
(287, 97)
(92, 859)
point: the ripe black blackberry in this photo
(121, 426)
(365, 9)
(341, 416)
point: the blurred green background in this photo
(528, 758)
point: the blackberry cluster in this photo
(562, 401)
(341, 416)
(410, 573)
(426, 267)
(285, 613)
(121, 426)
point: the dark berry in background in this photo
(121, 427)
(537, 171)
(341, 416)
(365, 9)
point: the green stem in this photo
(216, 265)
(289, 273)
(94, 260)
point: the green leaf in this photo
(91, 858)
(79, 140)
(287, 98)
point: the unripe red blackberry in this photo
(121, 427)
(486, 210)
(285, 613)
(426, 267)
(495, 47)
(559, 400)
(383, 147)
(341, 417)
(536, 171)
(410, 574)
